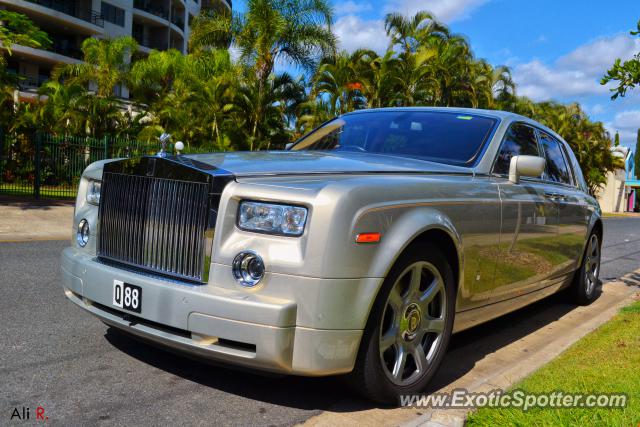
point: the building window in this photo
(113, 14)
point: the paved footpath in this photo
(24, 220)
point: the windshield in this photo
(443, 137)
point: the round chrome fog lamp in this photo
(83, 233)
(248, 268)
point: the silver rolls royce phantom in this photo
(359, 250)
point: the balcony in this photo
(26, 82)
(178, 21)
(149, 7)
(71, 8)
(150, 42)
(66, 48)
(217, 5)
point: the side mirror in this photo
(532, 166)
(288, 146)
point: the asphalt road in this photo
(54, 355)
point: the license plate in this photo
(127, 296)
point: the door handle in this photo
(555, 196)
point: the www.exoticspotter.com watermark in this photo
(463, 399)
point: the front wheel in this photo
(409, 327)
(586, 280)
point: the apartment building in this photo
(155, 24)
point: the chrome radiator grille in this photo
(155, 224)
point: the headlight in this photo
(93, 192)
(272, 218)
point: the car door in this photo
(527, 256)
(573, 213)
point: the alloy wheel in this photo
(592, 265)
(413, 323)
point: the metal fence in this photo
(48, 166)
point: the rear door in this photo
(527, 258)
(573, 210)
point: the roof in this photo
(477, 111)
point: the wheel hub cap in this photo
(411, 322)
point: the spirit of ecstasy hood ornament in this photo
(164, 138)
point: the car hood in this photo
(314, 162)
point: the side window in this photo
(520, 140)
(577, 172)
(557, 169)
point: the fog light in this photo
(248, 268)
(83, 233)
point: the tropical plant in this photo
(105, 65)
(262, 115)
(16, 28)
(411, 33)
(626, 73)
(297, 32)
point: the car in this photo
(356, 251)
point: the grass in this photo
(617, 214)
(605, 361)
(46, 192)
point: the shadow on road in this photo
(465, 350)
(30, 203)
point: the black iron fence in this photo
(47, 166)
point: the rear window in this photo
(443, 137)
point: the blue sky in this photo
(556, 49)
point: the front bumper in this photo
(217, 323)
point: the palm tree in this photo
(378, 75)
(106, 65)
(261, 116)
(152, 78)
(338, 79)
(414, 79)
(411, 33)
(292, 31)
(60, 112)
(217, 95)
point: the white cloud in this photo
(444, 10)
(626, 123)
(576, 74)
(354, 32)
(627, 120)
(597, 109)
(351, 7)
(596, 57)
(540, 82)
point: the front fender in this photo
(403, 225)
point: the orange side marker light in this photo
(368, 238)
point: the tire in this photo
(585, 281)
(411, 320)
